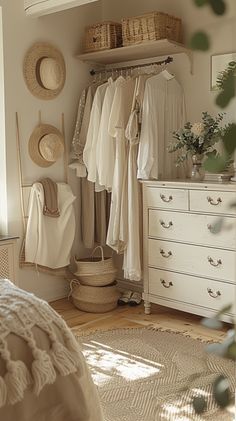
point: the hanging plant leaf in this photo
(232, 351)
(221, 391)
(229, 139)
(212, 323)
(200, 3)
(228, 92)
(215, 164)
(224, 310)
(217, 349)
(218, 6)
(199, 404)
(200, 41)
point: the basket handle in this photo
(102, 252)
(73, 282)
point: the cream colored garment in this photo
(90, 148)
(105, 156)
(132, 254)
(46, 377)
(163, 113)
(120, 112)
(48, 241)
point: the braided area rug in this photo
(144, 374)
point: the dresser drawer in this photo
(212, 201)
(190, 289)
(158, 197)
(192, 228)
(194, 260)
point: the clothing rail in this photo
(136, 66)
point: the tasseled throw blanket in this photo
(20, 314)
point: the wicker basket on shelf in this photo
(103, 36)
(151, 27)
(95, 299)
(96, 271)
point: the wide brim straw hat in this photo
(44, 70)
(46, 145)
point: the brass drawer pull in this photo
(165, 199)
(164, 225)
(213, 263)
(211, 201)
(164, 283)
(164, 254)
(213, 294)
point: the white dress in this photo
(132, 255)
(48, 240)
(120, 112)
(89, 154)
(105, 155)
(163, 113)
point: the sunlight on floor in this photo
(105, 362)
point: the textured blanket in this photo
(43, 374)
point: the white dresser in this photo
(187, 265)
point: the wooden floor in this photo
(125, 317)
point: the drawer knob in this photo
(166, 199)
(212, 202)
(166, 255)
(165, 285)
(213, 263)
(213, 294)
(164, 225)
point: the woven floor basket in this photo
(151, 27)
(95, 299)
(103, 36)
(96, 271)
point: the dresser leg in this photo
(147, 307)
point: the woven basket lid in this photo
(44, 70)
(46, 145)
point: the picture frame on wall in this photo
(221, 64)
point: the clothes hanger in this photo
(167, 75)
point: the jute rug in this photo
(149, 375)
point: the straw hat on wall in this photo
(46, 145)
(44, 70)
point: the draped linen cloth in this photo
(48, 241)
(43, 374)
(163, 113)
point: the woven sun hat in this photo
(46, 145)
(44, 70)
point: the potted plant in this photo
(197, 140)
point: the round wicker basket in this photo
(96, 271)
(95, 299)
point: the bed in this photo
(43, 374)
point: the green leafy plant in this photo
(225, 74)
(198, 138)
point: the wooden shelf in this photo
(145, 50)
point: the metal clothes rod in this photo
(137, 66)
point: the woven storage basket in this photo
(96, 271)
(95, 299)
(151, 27)
(103, 36)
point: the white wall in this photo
(65, 31)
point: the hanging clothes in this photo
(48, 240)
(163, 113)
(90, 148)
(120, 112)
(105, 154)
(132, 254)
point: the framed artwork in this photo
(221, 64)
